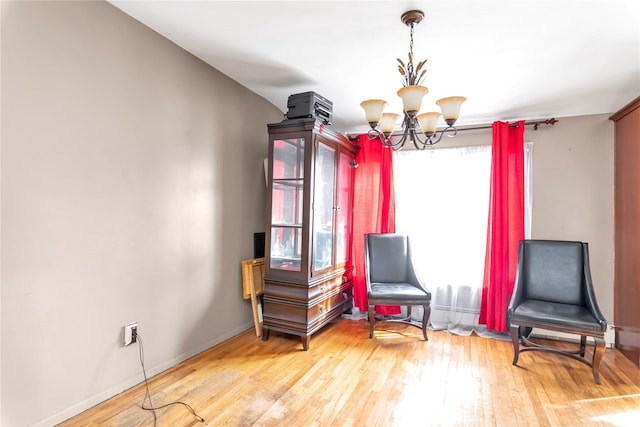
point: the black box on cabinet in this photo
(310, 104)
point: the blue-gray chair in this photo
(391, 278)
(553, 291)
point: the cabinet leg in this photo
(265, 333)
(305, 342)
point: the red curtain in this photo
(374, 210)
(506, 223)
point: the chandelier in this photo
(420, 129)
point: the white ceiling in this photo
(518, 59)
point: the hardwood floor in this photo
(396, 379)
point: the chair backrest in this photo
(554, 271)
(388, 257)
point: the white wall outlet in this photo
(130, 333)
(610, 336)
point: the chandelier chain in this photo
(411, 41)
(410, 65)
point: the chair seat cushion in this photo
(557, 315)
(397, 293)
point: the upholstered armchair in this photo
(391, 278)
(553, 291)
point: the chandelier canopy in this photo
(420, 129)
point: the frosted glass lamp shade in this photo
(388, 122)
(412, 98)
(451, 107)
(429, 122)
(373, 110)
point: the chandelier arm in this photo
(415, 135)
(400, 143)
(450, 129)
(427, 142)
(429, 139)
(385, 139)
(373, 134)
(419, 143)
(395, 146)
(433, 141)
(376, 134)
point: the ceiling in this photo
(517, 59)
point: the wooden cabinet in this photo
(627, 230)
(308, 228)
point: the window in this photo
(442, 202)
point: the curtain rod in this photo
(534, 123)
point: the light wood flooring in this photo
(395, 379)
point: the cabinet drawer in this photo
(326, 289)
(294, 294)
(279, 314)
(331, 307)
(298, 294)
(306, 317)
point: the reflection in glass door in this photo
(343, 213)
(286, 204)
(323, 207)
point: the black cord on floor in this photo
(147, 395)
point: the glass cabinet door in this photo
(343, 212)
(323, 207)
(286, 204)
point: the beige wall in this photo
(573, 192)
(572, 189)
(132, 183)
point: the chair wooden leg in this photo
(598, 352)
(425, 320)
(583, 344)
(515, 338)
(372, 319)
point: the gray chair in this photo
(553, 291)
(392, 280)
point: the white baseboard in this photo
(107, 394)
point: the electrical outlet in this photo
(610, 336)
(130, 333)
